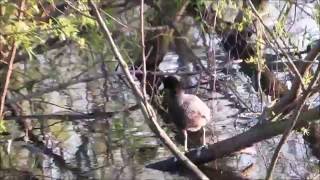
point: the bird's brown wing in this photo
(196, 111)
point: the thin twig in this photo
(10, 66)
(78, 10)
(55, 88)
(143, 53)
(77, 80)
(73, 116)
(114, 19)
(66, 117)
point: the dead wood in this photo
(238, 142)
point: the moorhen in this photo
(187, 111)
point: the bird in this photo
(187, 111)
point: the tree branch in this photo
(143, 53)
(10, 66)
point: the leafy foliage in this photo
(2, 126)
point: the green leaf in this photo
(2, 126)
(81, 42)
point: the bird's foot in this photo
(204, 146)
(186, 149)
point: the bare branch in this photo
(143, 53)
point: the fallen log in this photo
(236, 143)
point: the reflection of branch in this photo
(66, 117)
(55, 88)
(86, 79)
(146, 108)
(23, 174)
(71, 117)
(56, 105)
(38, 147)
(239, 98)
(59, 161)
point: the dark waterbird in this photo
(187, 111)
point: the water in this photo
(119, 146)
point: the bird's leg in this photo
(185, 134)
(204, 137)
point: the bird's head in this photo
(172, 84)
